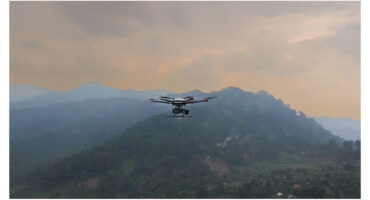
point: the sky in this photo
(305, 53)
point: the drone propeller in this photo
(161, 100)
(206, 99)
(164, 97)
(189, 98)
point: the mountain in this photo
(54, 124)
(22, 92)
(346, 128)
(240, 145)
(40, 136)
(92, 90)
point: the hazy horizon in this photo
(93, 82)
(305, 53)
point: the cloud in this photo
(296, 50)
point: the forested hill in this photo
(241, 145)
(40, 136)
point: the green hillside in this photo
(241, 145)
(40, 136)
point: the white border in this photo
(365, 194)
(4, 145)
(365, 122)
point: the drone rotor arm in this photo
(199, 101)
(160, 101)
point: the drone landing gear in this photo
(179, 116)
(179, 112)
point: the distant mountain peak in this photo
(233, 88)
(21, 92)
(344, 127)
(233, 91)
(193, 93)
(263, 92)
(344, 118)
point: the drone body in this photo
(179, 104)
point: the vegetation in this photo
(243, 145)
(40, 136)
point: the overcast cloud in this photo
(306, 53)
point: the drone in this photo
(179, 104)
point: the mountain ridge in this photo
(90, 90)
(22, 92)
(345, 127)
(42, 135)
(240, 129)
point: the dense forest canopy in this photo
(241, 145)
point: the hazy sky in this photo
(306, 53)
